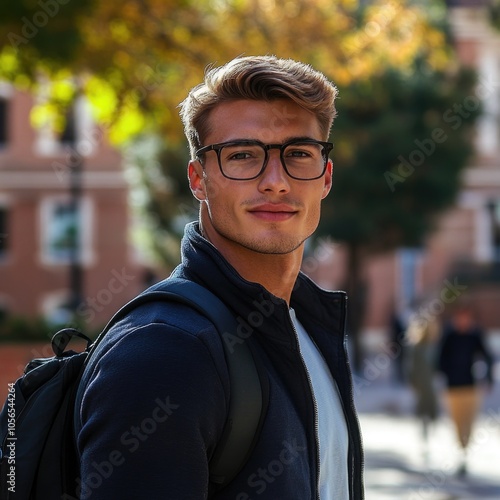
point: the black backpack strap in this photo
(246, 401)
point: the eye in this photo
(240, 155)
(304, 151)
(299, 153)
(241, 152)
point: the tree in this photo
(401, 143)
(136, 59)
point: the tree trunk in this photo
(356, 289)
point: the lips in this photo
(273, 212)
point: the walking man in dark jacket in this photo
(257, 130)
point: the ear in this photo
(196, 180)
(328, 179)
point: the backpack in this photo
(38, 458)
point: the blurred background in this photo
(94, 198)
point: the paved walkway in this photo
(400, 466)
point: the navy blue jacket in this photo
(457, 354)
(155, 400)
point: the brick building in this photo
(462, 257)
(63, 235)
(37, 219)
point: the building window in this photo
(4, 214)
(409, 262)
(68, 136)
(494, 208)
(3, 231)
(56, 308)
(3, 121)
(78, 133)
(65, 231)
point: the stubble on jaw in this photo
(280, 246)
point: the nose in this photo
(274, 178)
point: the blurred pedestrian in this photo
(422, 335)
(462, 345)
(398, 332)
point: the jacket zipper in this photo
(315, 406)
(357, 446)
(352, 444)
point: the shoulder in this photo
(162, 324)
(159, 373)
(165, 344)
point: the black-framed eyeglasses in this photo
(302, 159)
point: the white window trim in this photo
(87, 256)
(5, 203)
(488, 127)
(483, 243)
(48, 144)
(53, 300)
(6, 93)
(6, 90)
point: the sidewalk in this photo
(398, 465)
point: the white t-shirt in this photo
(332, 427)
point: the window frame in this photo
(47, 212)
(4, 231)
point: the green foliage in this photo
(494, 13)
(401, 143)
(135, 61)
(161, 197)
(22, 329)
(52, 24)
(18, 328)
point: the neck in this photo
(277, 273)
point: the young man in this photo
(259, 167)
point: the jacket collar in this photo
(316, 308)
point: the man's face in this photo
(463, 320)
(272, 214)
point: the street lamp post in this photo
(492, 207)
(76, 275)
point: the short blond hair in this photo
(258, 78)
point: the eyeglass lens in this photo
(245, 161)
